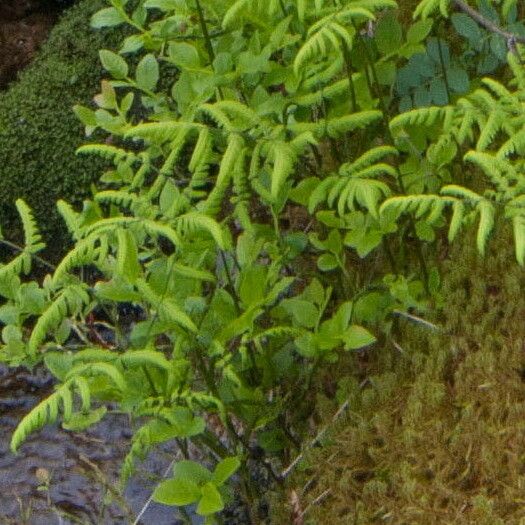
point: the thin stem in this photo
(231, 286)
(349, 73)
(512, 38)
(444, 69)
(207, 39)
(17, 248)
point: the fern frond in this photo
(194, 221)
(161, 132)
(99, 369)
(284, 158)
(68, 304)
(85, 252)
(32, 238)
(107, 152)
(71, 218)
(339, 126)
(422, 116)
(427, 8)
(140, 358)
(212, 205)
(47, 411)
(127, 264)
(119, 198)
(486, 224)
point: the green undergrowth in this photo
(39, 133)
(434, 431)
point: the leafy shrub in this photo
(195, 223)
(39, 132)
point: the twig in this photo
(316, 440)
(512, 38)
(17, 248)
(150, 499)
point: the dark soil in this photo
(24, 26)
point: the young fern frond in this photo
(108, 370)
(419, 205)
(107, 152)
(68, 304)
(162, 132)
(367, 159)
(192, 222)
(284, 158)
(486, 224)
(212, 205)
(127, 265)
(199, 165)
(337, 127)
(518, 227)
(71, 218)
(422, 116)
(46, 412)
(490, 129)
(32, 238)
(122, 199)
(86, 251)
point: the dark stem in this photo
(349, 73)
(511, 38)
(444, 69)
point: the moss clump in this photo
(39, 132)
(439, 438)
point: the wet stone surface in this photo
(80, 465)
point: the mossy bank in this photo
(39, 132)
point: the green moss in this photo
(39, 132)
(437, 437)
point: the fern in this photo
(47, 412)
(68, 304)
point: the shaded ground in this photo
(24, 25)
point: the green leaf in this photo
(327, 262)
(85, 115)
(128, 265)
(419, 31)
(225, 470)
(466, 27)
(163, 5)
(131, 44)
(147, 74)
(79, 422)
(458, 79)
(177, 492)
(438, 92)
(211, 501)
(389, 34)
(108, 17)
(253, 284)
(184, 55)
(357, 337)
(114, 64)
(304, 312)
(191, 471)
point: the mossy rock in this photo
(39, 133)
(437, 437)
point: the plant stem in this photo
(349, 73)
(444, 69)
